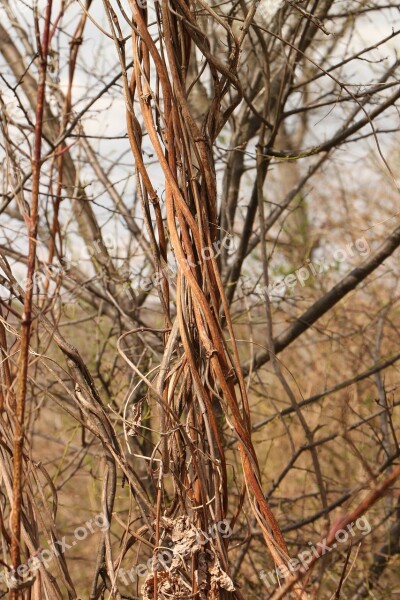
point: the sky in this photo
(99, 64)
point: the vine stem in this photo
(26, 322)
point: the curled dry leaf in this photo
(168, 584)
(219, 579)
(176, 580)
(135, 419)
